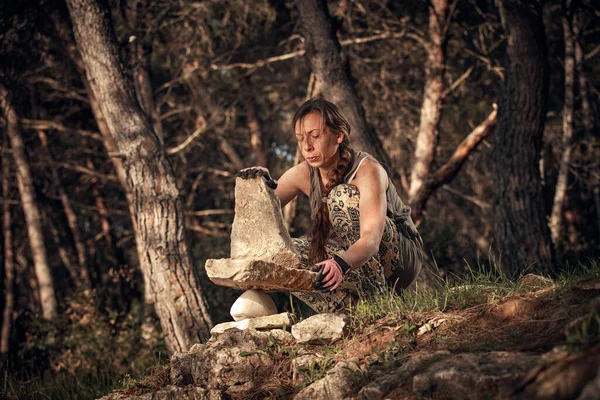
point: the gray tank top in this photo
(397, 211)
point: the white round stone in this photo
(251, 304)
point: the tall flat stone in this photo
(262, 253)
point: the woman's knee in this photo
(410, 263)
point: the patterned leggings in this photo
(393, 258)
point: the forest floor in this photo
(484, 314)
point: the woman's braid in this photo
(321, 225)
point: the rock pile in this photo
(240, 356)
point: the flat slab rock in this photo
(277, 321)
(262, 253)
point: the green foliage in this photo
(316, 370)
(390, 357)
(384, 360)
(83, 354)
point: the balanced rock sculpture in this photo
(262, 253)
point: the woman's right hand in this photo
(253, 172)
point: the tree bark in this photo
(522, 235)
(9, 262)
(433, 98)
(30, 209)
(332, 72)
(560, 194)
(160, 235)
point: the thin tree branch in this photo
(449, 170)
(175, 111)
(460, 80)
(592, 53)
(45, 125)
(259, 63)
(208, 232)
(297, 53)
(91, 209)
(472, 199)
(86, 171)
(201, 129)
(58, 86)
(203, 213)
(468, 144)
(9, 202)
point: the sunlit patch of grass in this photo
(570, 274)
(477, 286)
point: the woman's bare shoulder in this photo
(298, 176)
(371, 170)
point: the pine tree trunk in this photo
(30, 209)
(9, 262)
(522, 235)
(433, 98)
(557, 218)
(160, 235)
(332, 72)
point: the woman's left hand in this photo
(253, 172)
(330, 274)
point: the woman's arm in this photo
(294, 181)
(371, 181)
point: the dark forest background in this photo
(218, 83)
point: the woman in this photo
(362, 235)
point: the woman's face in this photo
(318, 144)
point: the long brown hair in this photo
(335, 122)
